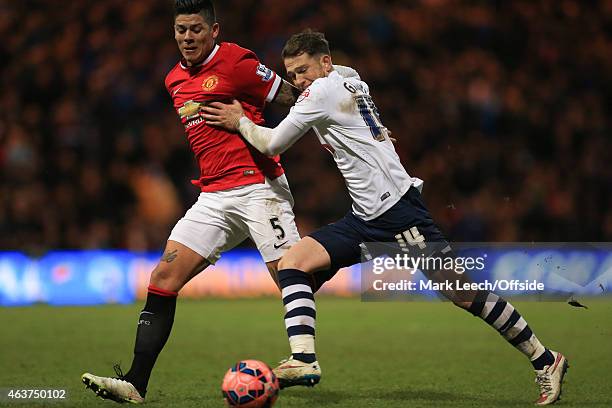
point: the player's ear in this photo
(215, 30)
(326, 62)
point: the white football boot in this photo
(114, 389)
(291, 372)
(550, 380)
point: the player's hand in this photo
(393, 140)
(223, 115)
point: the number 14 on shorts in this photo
(412, 236)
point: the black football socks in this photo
(154, 326)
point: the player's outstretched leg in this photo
(320, 277)
(154, 326)
(550, 366)
(302, 367)
(178, 265)
(296, 283)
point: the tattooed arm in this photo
(287, 94)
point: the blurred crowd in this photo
(502, 107)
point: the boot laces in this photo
(543, 380)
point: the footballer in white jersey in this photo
(344, 117)
(387, 208)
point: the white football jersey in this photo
(344, 117)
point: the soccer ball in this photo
(250, 384)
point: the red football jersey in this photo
(226, 160)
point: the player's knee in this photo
(164, 278)
(462, 304)
(457, 299)
(292, 262)
(285, 263)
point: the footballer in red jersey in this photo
(244, 194)
(230, 71)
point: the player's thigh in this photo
(408, 221)
(208, 228)
(406, 228)
(423, 235)
(177, 266)
(342, 241)
(268, 218)
(307, 255)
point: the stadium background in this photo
(501, 107)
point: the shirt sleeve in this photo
(254, 80)
(270, 142)
(309, 109)
(307, 112)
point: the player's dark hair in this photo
(205, 8)
(308, 41)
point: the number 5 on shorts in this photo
(277, 227)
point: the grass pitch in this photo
(408, 354)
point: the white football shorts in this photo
(220, 220)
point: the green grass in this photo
(373, 354)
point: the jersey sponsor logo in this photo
(210, 83)
(194, 122)
(303, 95)
(189, 110)
(264, 72)
(385, 196)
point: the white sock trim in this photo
(300, 303)
(300, 321)
(536, 347)
(289, 290)
(504, 316)
(515, 330)
(492, 299)
(302, 343)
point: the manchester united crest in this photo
(210, 83)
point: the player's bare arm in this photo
(287, 94)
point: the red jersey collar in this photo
(206, 61)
